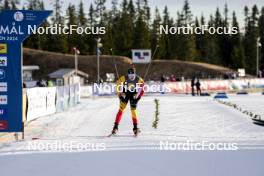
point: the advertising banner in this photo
(141, 56)
(51, 100)
(14, 28)
(36, 103)
(41, 102)
(86, 91)
(60, 99)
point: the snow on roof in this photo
(30, 67)
(66, 72)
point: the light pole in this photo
(98, 46)
(76, 52)
(258, 46)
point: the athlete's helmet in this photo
(131, 73)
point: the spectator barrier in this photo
(42, 101)
(86, 91)
(179, 87)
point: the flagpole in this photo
(99, 45)
(76, 60)
(98, 66)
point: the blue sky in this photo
(198, 7)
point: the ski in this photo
(115, 135)
(111, 135)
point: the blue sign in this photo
(14, 25)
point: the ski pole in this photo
(114, 62)
(151, 61)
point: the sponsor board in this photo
(3, 99)
(18, 16)
(2, 74)
(3, 61)
(3, 48)
(2, 113)
(3, 125)
(13, 31)
(41, 102)
(141, 56)
(3, 87)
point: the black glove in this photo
(136, 98)
(122, 98)
(135, 101)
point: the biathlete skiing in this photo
(130, 88)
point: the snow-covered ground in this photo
(252, 102)
(183, 120)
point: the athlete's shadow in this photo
(258, 122)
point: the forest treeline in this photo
(131, 25)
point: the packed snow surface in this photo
(58, 148)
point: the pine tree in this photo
(217, 39)
(92, 17)
(218, 21)
(201, 41)
(114, 11)
(225, 15)
(59, 41)
(165, 49)
(131, 10)
(82, 20)
(72, 39)
(91, 22)
(131, 27)
(43, 42)
(186, 47)
(250, 39)
(111, 29)
(58, 18)
(14, 4)
(261, 35)
(6, 5)
(36, 41)
(100, 10)
(123, 31)
(155, 36)
(141, 34)
(187, 14)
(82, 39)
(237, 54)
(225, 45)
(211, 47)
(33, 5)
(247, 18)
(107, 39)
(146, 10)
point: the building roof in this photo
(30, 67)
(64, 72)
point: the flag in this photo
(76, 50)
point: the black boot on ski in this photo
(136, 130)
(115, 129)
